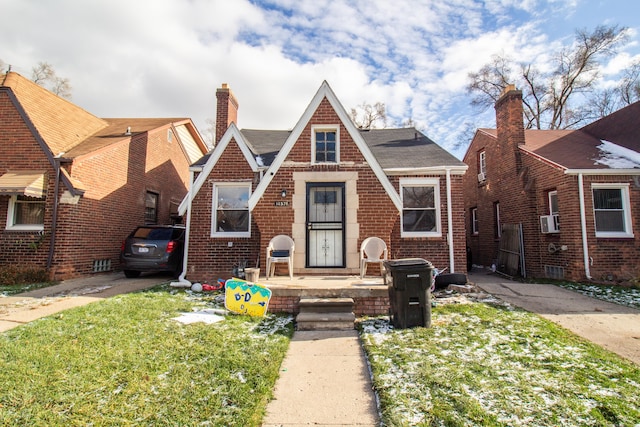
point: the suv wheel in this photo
(131, 274)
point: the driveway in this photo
(26, 307)
(612, 326)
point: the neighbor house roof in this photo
(612, 142)
(70, 132)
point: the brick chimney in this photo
(226, 111)
(509, 117)
(510, 124)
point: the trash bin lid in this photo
(408, 263)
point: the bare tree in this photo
(44, 75)
(367, 116)
(549, 96)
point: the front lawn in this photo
(126, 361)
(490, 364)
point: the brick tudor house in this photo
(395, 184)
(562, 204)
(73, 185)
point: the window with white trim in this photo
(482, 162)
(231, 210)
(420, 207)
(612, 210)
(26, 213)
(151, 208)
(553, 202)
(474, 221)
(325, 144)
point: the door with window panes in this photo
(325, 225)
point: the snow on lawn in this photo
(482, 364)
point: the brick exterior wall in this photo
(116, 180)
(520, 183)
(212, 258)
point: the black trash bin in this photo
(409, 280)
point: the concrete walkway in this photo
(324, 381)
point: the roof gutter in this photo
(456, 170)
(583, 227)
(579, 172)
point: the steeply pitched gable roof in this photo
(62, 124)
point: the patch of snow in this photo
(199, 316)
(617, 157)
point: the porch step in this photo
(325, 314)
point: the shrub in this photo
(13, 274)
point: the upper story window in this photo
(26, 213)
(553, 202)
(326, 144)
(151, 208)
(231, 207)
(420, 207)
(482, 166)
(612, 210)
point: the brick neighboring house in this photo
(575, 195)
(395, 184)
(73, 185)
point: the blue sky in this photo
(166, 58)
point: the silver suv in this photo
(153, 248)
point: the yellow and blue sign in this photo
(244, 297)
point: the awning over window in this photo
(25, 183)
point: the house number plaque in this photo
(281, 203)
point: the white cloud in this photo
(147, 58)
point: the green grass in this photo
(125, 361)
(485, 365)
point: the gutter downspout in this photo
(54, 219)
(449, 221)
(182, 282)
(583, 227)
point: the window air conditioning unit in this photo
(481, 177)
(549, 224)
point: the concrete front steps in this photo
(325, 314)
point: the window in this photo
(482, 166)
(231, 207)
(26, 213)
(151, 208)
(326, 144)
(496, 215)
(474, 220)
(553, 202)
(611, 209)
(420, 207)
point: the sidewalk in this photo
(324, 381)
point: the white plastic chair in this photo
(280, 250)
(372, 251)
